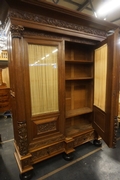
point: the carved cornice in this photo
(16, 31)
(55, 22)
(23, 139)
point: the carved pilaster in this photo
(23, 139)
(16, 31)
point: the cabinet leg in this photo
(27, 175)
(97, 143)
(68, 157)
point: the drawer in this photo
(45, 153)
(83, 138)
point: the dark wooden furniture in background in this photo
(4, 89)
(79, 115)
(4, 99)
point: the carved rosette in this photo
(16, 31)
(23, 139)
(115, 131)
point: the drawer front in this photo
(84, 138)
(45, 153)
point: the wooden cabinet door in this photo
(44, 88)
(105, 108)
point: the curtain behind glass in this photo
(100, 76)
(43, 71)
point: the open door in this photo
(106, 89)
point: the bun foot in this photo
(68, 157)
(26, 176)
(97, 143)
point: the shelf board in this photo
(79, 61)
(73, 130)
(80, 78)
(77, 112)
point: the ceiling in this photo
(85, 6)
(89, 7)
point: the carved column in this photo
(18, 59)
(19, 105)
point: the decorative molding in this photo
(54, 22)
(23, 139)
(55, 36)
(46, 127)
(83, 41)
(46, 142)
(41, 34)
(16, 31)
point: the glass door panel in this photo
(43, 72)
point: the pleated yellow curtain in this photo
(100, 77)
(43, 72)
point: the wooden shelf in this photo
(76, 112)
(79, 61)
(78, 78)
(73, 130)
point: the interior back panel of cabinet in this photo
(78, 70)
(78, 94)
(78, 124)
(76, 51)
